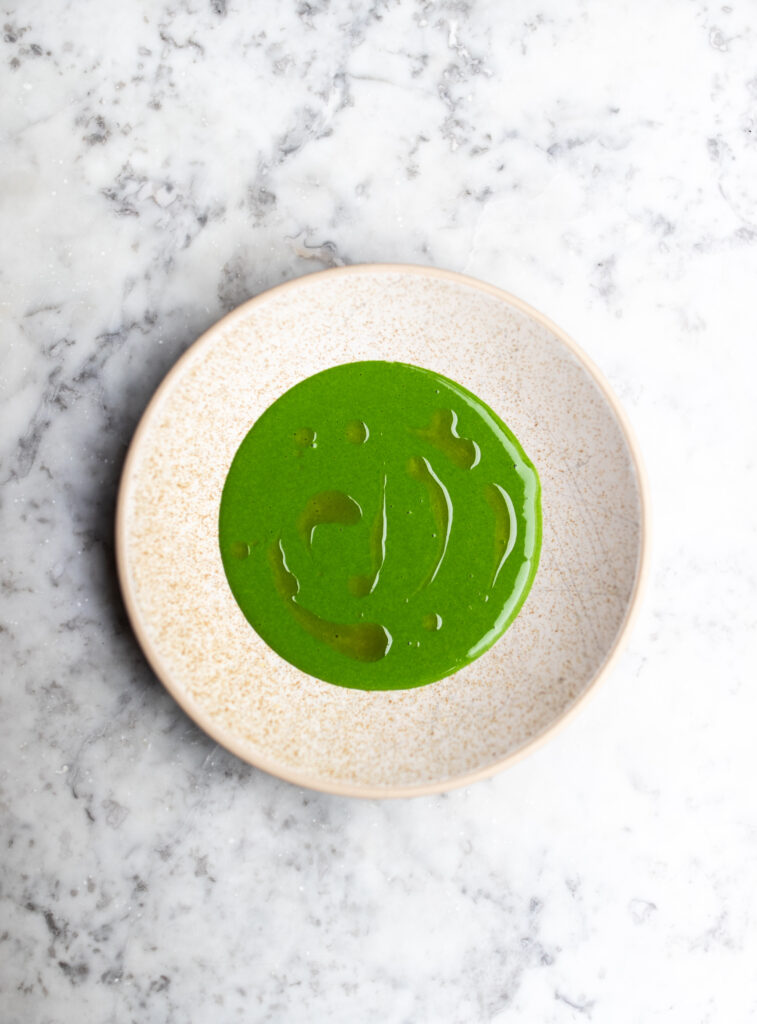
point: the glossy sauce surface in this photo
(380, 526)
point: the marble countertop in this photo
(162, 162)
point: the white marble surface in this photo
(161, 163)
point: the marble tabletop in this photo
(160, 163)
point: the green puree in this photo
(380, 526)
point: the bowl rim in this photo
(235, 744)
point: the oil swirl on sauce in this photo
(364, 641)
(357, 432)
(362, 586)
(441, 509)
(327, 507)
(442, 434)
(505, 526)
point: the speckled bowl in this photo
(484, 717)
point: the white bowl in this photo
(405, 742)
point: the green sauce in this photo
(380, 526)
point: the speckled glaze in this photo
(474, 722)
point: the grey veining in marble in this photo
(159, 164)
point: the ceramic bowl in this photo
(484, 717)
